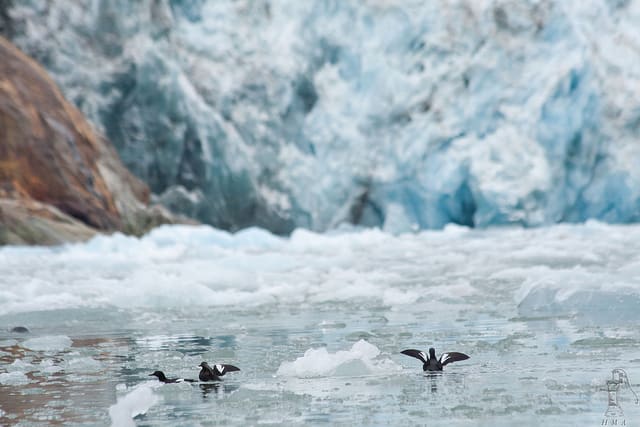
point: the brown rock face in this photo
(50, 154)
(27, 221)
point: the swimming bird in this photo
(432, 363)
(213, 374)
(166, 380)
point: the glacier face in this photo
(401, 114)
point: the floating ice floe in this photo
(50, 343)
(14, 378)
(361, 359)
(136, 402)
(82, 364)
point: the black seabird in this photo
(432, 363)
(213, 374)
(166, 380)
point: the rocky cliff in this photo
(59, 180)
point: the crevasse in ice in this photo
(400, 114)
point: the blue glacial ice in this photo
(400, 114)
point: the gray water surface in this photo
(317, 325)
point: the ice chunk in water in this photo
(48, 343)
(593, 304)
(136, 402)
(359, 360)
(13, 378)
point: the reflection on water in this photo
(433, 378)
(217, 389)
(63, 387)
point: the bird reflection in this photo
(432, 377)
(218, 389)
(446, 383)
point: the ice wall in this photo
(402, 114)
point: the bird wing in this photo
(221, 369)
(417, 354)
(207, 373)
(451, 357)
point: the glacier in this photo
(398, 114)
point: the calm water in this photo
(316, 324)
